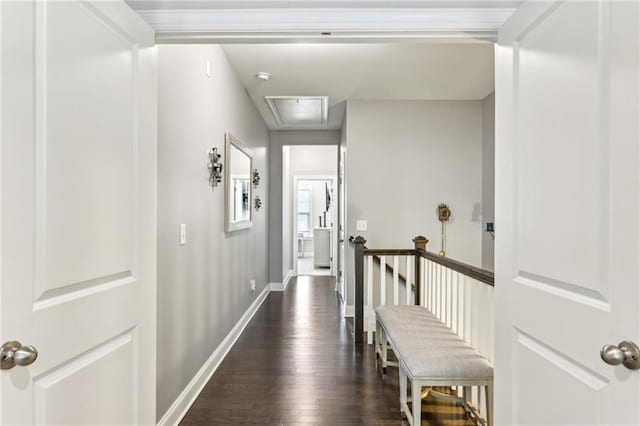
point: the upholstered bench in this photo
(430, 354)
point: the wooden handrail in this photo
(474, 272)
(389, 252)
(482, 275)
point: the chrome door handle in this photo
(12, 353)
(626, 353)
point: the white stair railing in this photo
(460, 295)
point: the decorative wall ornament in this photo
(257, 202)
(444, 215)
(215, 167)
(256, 177)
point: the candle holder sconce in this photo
(215, 167)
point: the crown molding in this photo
(305, 24)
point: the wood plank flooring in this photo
(296, 364)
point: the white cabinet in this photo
(322, 247)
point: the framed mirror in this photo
(237, 194)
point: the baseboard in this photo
(283, 285)
(349, 311)
(181, 405)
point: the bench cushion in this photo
(427, 348)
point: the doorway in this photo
(314, 221)
(312, 208)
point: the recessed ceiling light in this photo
(263, 75)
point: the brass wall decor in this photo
(257, 202)
(444, 212)
(256, 177)
(444, 215)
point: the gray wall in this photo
(278, 139)
(203, 286)
(403, 159)
(488, 180)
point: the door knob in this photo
(13, 353)
(626, 353)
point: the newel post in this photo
(358, 322)
(420, 244)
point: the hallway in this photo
(296, 364)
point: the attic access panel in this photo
(299, 110)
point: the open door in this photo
(567, 216)
(78, 172)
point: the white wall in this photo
(203, 286)
(488, 179)
(403, 159)
(279, 265)
(342, 207)
(285, 231)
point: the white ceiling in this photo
(390, 71)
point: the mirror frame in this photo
(230, 226)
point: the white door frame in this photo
(294, 215)
(340, 23)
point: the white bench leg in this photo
(489, 394)
(466, 396)
(403, 390)
(416, 401)
(385, 350)
(376, 343)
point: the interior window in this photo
(304, 210)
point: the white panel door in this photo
(567, 217)
(78, 167)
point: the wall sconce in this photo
(215, 167)
(444, 215)
(256, 177)
(257, 202)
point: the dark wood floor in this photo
(296, 364)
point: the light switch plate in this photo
(361, 225)
(253, 285)
(183, 234)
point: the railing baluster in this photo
(396, 279)
(450, 297)
(491, 315)
(423, 280)
(369, 299)
(467, 310)
(444, 295)
(436, 299)
(428, 282)
(454, 301)
(407, 286)
(383, 280)
(432, 305)
(440, 268)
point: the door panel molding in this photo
(93, 265)
(536, 158)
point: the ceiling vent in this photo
(299, 110)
